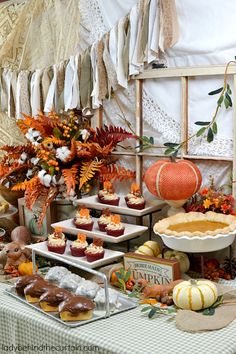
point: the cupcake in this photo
(134, 199)
(82, 220)
(95, 250)
(107, 195)
(57, 241)
(104, 219)
(115, 227)
(78, 246)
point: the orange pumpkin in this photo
(173, 180)
(26, 268)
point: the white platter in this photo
(109, 257)
(198, 244)
(151, 206)
(131, 231)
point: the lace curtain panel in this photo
(61, 36)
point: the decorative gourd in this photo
(195, 294)
(174, 181)
(149, 248)
(25, 268)
(179, 256)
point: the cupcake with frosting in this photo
(95, 250)
(115, 227)
(83, 220)
(78, 246)
(107, 195)
(57, 241)
(134, 199)
(104, 219)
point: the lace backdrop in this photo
(58, 36)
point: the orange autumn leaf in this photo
(53, 140)
(105, 150)
(113, 173)
(88, 171)
(148, 302)
(115, 219)
(58, 230)
(70, 177)
(26, 184)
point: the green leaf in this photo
(57, 133)
(51, 170)
(229, 89)
(151, 140)
(215, 91)
(218, 301)
(127, 276)
(229, 99)
(122, 272)
(201, 131)
(214, 128)
(145, 139)
(227, 103)
(152, 312)
(220, 100)
(169, 151)
(146, 308)
(209, 311)
(119, 276)
(171, 145)
(202, 123)
(210, 135)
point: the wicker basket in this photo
(11, 196)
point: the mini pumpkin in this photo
(195, 294)
(179, 256)
(149, 248)
(25, 268)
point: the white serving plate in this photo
(109, 257)
(131, 231)
(151, 206)
(198, 244)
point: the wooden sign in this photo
(154, 270)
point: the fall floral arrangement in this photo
(211, 199)
(61, 156)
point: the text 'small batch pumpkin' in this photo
(174, 181)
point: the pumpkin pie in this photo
(196, 224)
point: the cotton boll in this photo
(63, 153)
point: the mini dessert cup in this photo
(139, 206)
(102, 226)
(85, 226)
(91, 257)
(77, 252)
(57, 249)
(114, 202)
(115, 233)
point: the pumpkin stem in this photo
(172, 158)
(193, 282)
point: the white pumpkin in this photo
(149, 248)
(179, 256)
(195, 294)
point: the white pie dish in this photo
(198, 244)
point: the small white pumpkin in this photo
(195, 294)
(179, 256)
(149, 248)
